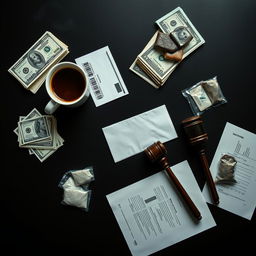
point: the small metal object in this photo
(197, 137)
(165, 43)
(181, 36)
(158, 153)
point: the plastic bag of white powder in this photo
(75, 184)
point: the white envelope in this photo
(133, 135)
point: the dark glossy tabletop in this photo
(33, 219)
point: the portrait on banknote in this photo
(36, 59)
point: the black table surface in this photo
(33, 219)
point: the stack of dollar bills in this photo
(150, 63)
(31, 69)
(39, 134)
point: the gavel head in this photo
(194, 130)
(156, 151)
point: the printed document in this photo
(238, 198)
(152, 215)
(104, 78)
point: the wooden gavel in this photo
(158, 153)
(197, 137)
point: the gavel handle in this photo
(184, 194)
(215, 196)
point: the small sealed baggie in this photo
(80, 177)
(226, 170)
(204, 95)
(75, 184)
(78, 197)
(83, 177)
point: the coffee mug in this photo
(66, 84)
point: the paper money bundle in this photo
(39, 134)
(31, 69)
(150, 63)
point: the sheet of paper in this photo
(133, 135)
(105, 80)
(238, 198)
(152, 215)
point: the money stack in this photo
(31, 69)
(150, 63)
(39, 134)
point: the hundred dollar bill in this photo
(33, 64)
(42, 149)
(49, 143)
(32, 114)
(177, 18)
(46, 143)
(43, 154)
(32, 130)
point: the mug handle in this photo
(51, 107)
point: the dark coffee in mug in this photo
(68, 84)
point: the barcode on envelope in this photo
(88, 69)
(96, 88)
(118, 87)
